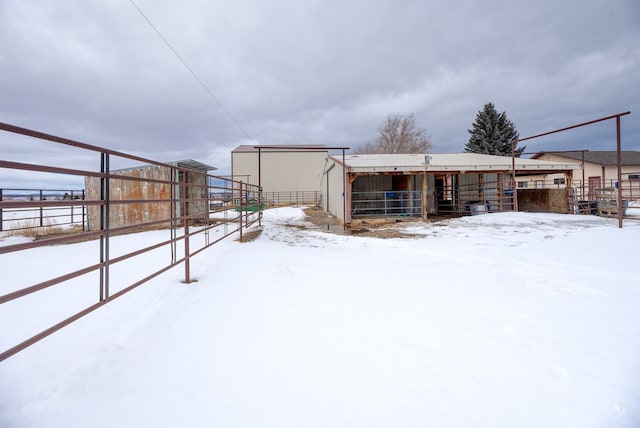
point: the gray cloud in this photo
(313, 72)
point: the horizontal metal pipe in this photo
(13, 204)
(45, 168)
(65, 239)
(46, 284)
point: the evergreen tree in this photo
(492, 133)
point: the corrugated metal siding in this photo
(137, 213)
(282, 171)
(335, 197)
(245, 167)
(372, 183)
(129, 214)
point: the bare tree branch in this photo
(398, 135)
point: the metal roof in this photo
(252, 148)
(193, 164)
(436, 162)
(599, 157)
(187, 163)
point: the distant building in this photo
(598, 169)
(286, 173)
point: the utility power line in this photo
(166, 42)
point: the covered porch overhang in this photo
(404, 194)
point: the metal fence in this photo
(272, 199)
(21, 219)
(386, 204)
(296, 197)
(584, 191)
(494, 196)
(601, 199)
(474, 198)
(186, 226)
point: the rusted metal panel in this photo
(145, 196)
(126, 191)
(544, 200)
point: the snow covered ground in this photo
(499, 320)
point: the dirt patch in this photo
(251, 235)
(377, 229)
(320, 217)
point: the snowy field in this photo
(25, 218)
(498, 320)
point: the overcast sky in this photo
(302, 72)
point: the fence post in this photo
(246, 204)
(105, 221)
(41, 208)
(71, 200)
(187, 276)
(85, 219)
(619, 165)
(1, 221)
(260, 206)
(240, 205)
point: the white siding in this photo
(244, 167)
(281, 171)
(334, 201)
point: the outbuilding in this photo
(287, 174)
(396, 186)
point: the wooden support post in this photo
(424, 197)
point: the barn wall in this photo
(333, 201)
(372, 183)
(244, 167)
(281, 171)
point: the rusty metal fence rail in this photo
(295, 198)
(168, 203)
